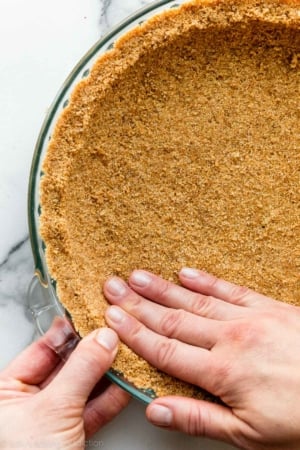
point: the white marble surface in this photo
(40, 43)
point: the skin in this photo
(241, 346)
(46, 403)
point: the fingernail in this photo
(107, 338)
(160, 415)
(60, 332)
(115, 314)
(189, 273)
(115, 286)
(140, 279)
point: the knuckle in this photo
(164, 290)
(171, 321)
(202, 305)
(133, 304)
(197, 421)
(117, 399)
(213, 281)
(165, 352)
(222, 379)
(134, 336)
(94, 418)
(243, 333)
(224, 371)
(239, 292)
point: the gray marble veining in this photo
(16, 328)
(113, 11)
(15, 274)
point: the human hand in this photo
(240, 346)
(48, 404)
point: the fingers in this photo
(171, 295)
(195, 417)
(36, 362)
(189, 363)
(86, 365)
(208, 284)
(104, 408)
(175, 323)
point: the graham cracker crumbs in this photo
(181, 148)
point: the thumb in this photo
(195, 417)
(86, 365)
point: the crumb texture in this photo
(182, 148)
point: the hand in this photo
(46, 404)
(238, 345)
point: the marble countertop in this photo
(40, 44)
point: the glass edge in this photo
(132, 390)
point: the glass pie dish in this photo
(43, 300)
